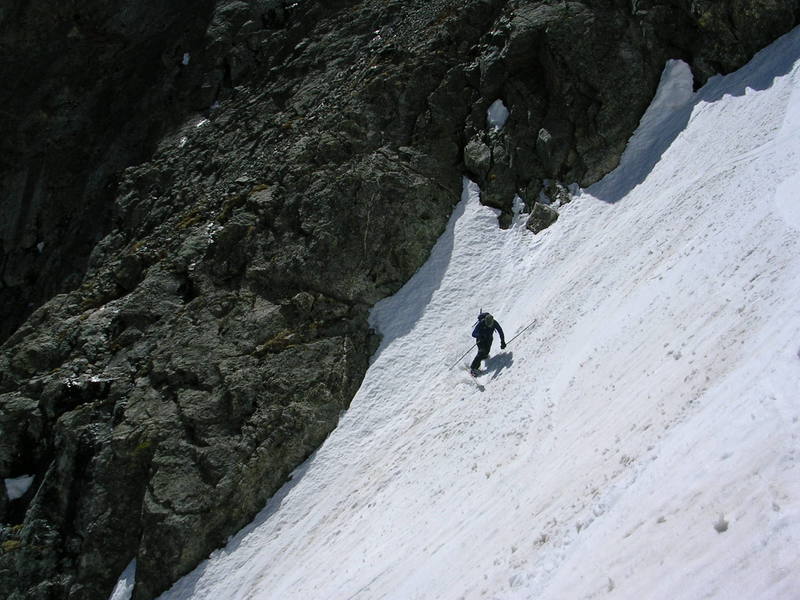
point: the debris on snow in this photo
(721, 525)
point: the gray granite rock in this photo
(541, 217)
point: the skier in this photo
(484, 334)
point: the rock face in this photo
(283, 167)
(87, 90)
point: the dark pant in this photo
(483, 353)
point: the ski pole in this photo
(507, 343)
(462, 356)
(518, 334)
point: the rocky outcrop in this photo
(541, 217)
(218, 328)
(87, 90)
(544, 211)
(221, 326)
(577, 75)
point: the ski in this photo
(476, 378)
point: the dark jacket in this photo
(485, 334)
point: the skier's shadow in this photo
(498, 363)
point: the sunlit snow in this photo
(640, 439)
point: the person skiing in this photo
(484, 335)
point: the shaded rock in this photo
(478, 158)
(542, 216)
(68, 130)
(552, 154)
(556, 193)
(225, 317)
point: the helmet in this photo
(488, 320)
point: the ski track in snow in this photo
(654, 402)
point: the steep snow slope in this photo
(640, 439)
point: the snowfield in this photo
(640, 440)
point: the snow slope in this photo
(640, 440)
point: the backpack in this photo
(480, 326)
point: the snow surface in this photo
(496, 115)
(124, 588)
(640, 439)
(16, 487)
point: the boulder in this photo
(541, 217)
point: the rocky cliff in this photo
(202, 201)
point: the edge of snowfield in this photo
(641, 438)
